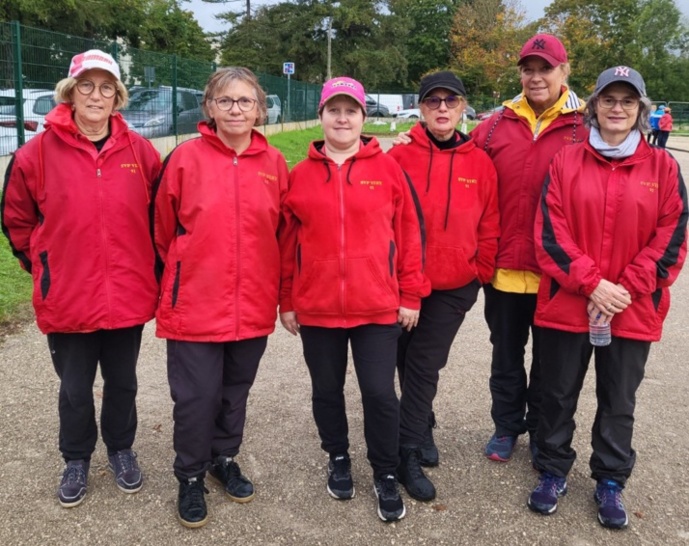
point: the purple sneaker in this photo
(611, 512)
(500, 448)
(543, 499)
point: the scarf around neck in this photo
(624, 149)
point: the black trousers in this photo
(75, 358)
(423, 352)
(374, 349)
(516, 404)
(210, 384)
(662, 138)
(619, 370)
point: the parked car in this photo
(485, 115)
(375, 109)
(409, 113)
(149, 111)
(36, 104)
(274, 107)
(470, 112)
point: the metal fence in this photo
(32, 61)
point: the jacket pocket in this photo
(175, 284)
(45, 274)
(368, 290)
(447, 267)
(317, 287)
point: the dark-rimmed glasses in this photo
(106, 89)
(451, 101)
(245, 104)
(627, 103)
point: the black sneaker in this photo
(191, 503)
(428, 451)
(128, 475)
(237, 486)
(72, 488)
(340, 483)
(410, 474)
(390, 505)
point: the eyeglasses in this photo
(626, 103)
(107, 89)
(451, 101)
(226, 103)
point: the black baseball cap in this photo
(441, 80)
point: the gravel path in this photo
(479, 502)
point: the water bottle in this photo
(599, 332)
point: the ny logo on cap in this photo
(622, 71)
(538, 44)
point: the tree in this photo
(645, 34)
(487, 36)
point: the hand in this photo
(611, 298)
(402, 138)
(289, 321)
(408, 318)
(596, 316)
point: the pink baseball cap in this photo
(343, 86)
(545, 46)
(93, 58)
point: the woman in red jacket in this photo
(457, 188)
(217, 209)
(610, 239)
(352, 273)
(75, 210)
(664, 127)
(521, 140)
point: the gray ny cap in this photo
(621, 74)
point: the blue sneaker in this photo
(543, 499)
(611, 512)
(500, 448)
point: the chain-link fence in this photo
(165, 90)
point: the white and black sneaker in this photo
(390, 505)
(340, 483)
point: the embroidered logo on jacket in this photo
(267, 178)
(371, 183)
(468, 182)
(131, 166)
(650, 186)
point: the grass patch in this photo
(15, 287)
(294, 145)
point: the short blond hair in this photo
(223, 77)
(64, 91)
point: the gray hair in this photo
(223, 77)
(642, 122)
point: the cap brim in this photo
(344, 94)
(440, 86)
(552, 61)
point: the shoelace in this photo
(610, 493)
(75, 473)
(193, 493)
(126, 460)
(549, 483)
(387, 489)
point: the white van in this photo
(274, 109)
(394, 103)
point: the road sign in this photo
(288, 68)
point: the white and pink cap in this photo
(343, 86)
(93, 58)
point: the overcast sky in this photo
(204, 12)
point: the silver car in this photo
(149, 111)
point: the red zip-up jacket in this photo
(665, 123)
(352, 245)
(521, 161)
(457, 188)
(621, 220)
(78, 221)
(216, 219)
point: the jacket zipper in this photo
(106, 281)
(342, 242)
(235, 163)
